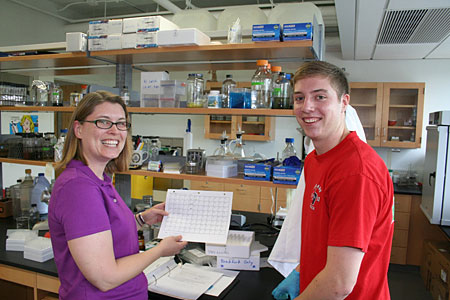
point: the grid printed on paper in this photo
(199, 216)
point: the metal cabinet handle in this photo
(431, 175)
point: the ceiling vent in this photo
(418, 26)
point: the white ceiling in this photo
(394, 29)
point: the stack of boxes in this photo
(158, 91)
(435, 268)
(105, 35)
(241, 252)
(289, 32)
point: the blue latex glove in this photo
(289, 288)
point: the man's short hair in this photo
(335, 74)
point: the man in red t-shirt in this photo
(347, 221)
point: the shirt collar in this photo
(86, 170)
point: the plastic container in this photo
(289, 150)
(188, 138)
(282, 92)
(125, 94)
(40, 185)
(261, 86)
(240, 98)
(26, 187)
(172, 93)
(59, 146)
(227, 85)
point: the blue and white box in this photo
(266, 32)
(155, 23)
(98, 28)
(286, 174)
(98, 43)
(146, 39)
(257, 172)
(297, 31)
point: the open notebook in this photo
(186, 281)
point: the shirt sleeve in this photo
(81, 209)
(354, 205)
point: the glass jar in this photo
(194, 90)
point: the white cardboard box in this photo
(182, 37)
(237, 246)
(97, 28)
(129, 25)
(97, 43)
(114, 41)
(76, 41)
(151, 84)
(154, 23)
(251, 264)
(129, 40)
(146, 39)
(115, 26)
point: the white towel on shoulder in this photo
(285, 255)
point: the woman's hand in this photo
(155, 214)
(171, 245)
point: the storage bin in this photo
(150, 100)
(172, 92)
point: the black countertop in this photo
(407, 189)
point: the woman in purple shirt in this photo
(93, 232)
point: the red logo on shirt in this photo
(315, 196)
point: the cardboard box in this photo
(237, 246)
(266, 32)
(6, 209)
(115, 26)
(76, 42)
(98, 28)
(257, 172)
(154, 23)
(98, 43)
(129, 25)
(129, 40)
(146, 40)
(114, 41)
(297, 31)
(286, 175)
(250, 264)
(183, 37)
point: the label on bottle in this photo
(258, 83)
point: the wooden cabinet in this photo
(391, 113)
(252, 198)
(27, 284)
(402, 209)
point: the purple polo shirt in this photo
(82, 204)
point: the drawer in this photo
(400, 238)
(17, 275)
(280, 193)
(47, 283)
(401, 220)
(398, 255)
(242, 190)
(207, 185)
(265, 205)
(402, 203)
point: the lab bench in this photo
(26, 279)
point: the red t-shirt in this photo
(348, 202)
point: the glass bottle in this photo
(238, 149)
(125, 95)
(194, 90)
(57, 96)
(154, 151)
(282, 92)
(34, 215)
(261, 86)
(289, 150)
(15, 195)
(26, 188)
(227, 85)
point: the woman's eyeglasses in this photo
(107, 124)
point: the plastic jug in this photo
(26, 187)
(40, 185)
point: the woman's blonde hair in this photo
(72, 146)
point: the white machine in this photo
(436, 178)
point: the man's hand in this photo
(289, 288)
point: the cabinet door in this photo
(367, 99)
(245, 197)
(402, 115)
(215, 125)
(266, 205)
